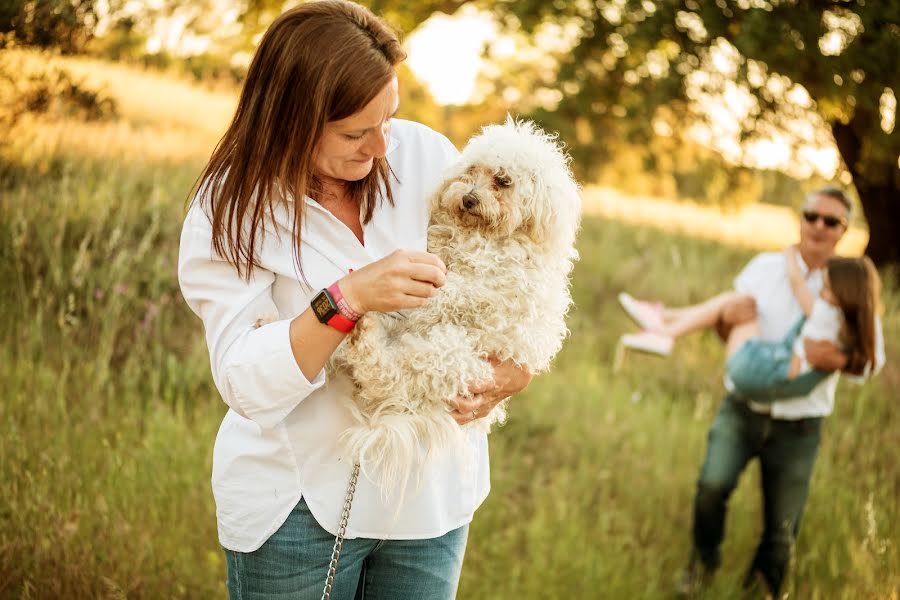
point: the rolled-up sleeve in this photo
(253, 367)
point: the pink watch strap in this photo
(342, 305)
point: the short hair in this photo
(832, 192)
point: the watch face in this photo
(323, 305)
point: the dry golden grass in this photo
(757, 226)
(170, 118)
(162, 117)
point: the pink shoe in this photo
(649, 341)
(646, 314)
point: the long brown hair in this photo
(857, 287)
(321, 61)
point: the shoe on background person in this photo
(693, 580)
(648, 341)
(648, 315)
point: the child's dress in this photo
(758, 370)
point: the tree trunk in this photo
(878, 186)
(881, 206)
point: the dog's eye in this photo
(502, 180)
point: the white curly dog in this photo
(504, 221)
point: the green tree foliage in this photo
(633, 58)
(67, 25)
(631, 62)
(256, 15)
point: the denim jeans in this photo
(293, 563)
(787, 452)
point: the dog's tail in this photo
(390, 448)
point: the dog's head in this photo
(512, 178)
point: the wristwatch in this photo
(328, 311)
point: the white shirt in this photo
(824, 323)
(278, 441)
(766, 279)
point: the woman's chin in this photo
(357, 170)
(348, 171)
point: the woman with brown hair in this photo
(310, 212)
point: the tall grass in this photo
(107, 407)
(108, 416)
(593, 477)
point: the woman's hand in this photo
(402, 279)
(509, 379)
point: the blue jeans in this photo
(787, 452)
(293, 563)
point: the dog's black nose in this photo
(470, 200)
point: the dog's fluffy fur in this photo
(504, 221)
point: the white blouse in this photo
(278, 441)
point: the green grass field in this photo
(109, 414)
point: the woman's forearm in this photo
(403, 279)
(312, 343)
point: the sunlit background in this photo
(446, 53)
(695, 128)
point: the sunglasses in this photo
(811, 216)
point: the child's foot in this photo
(646, 314)
(648, 341)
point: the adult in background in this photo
(312, 211)
(783, 435)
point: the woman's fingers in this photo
(418, 289)
(466, 410)
(403, 279)
(426, 258)
(465, 405)
(481, 389)
(427, 273)
(509, 379)
(407, 294)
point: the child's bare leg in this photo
(740, 333)
(670, 314)
(697, 317)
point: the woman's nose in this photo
(377, 143)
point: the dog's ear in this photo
(538, 220)
(434, 203)
(554, 211)
(451, 174)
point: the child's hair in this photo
(855, 284)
